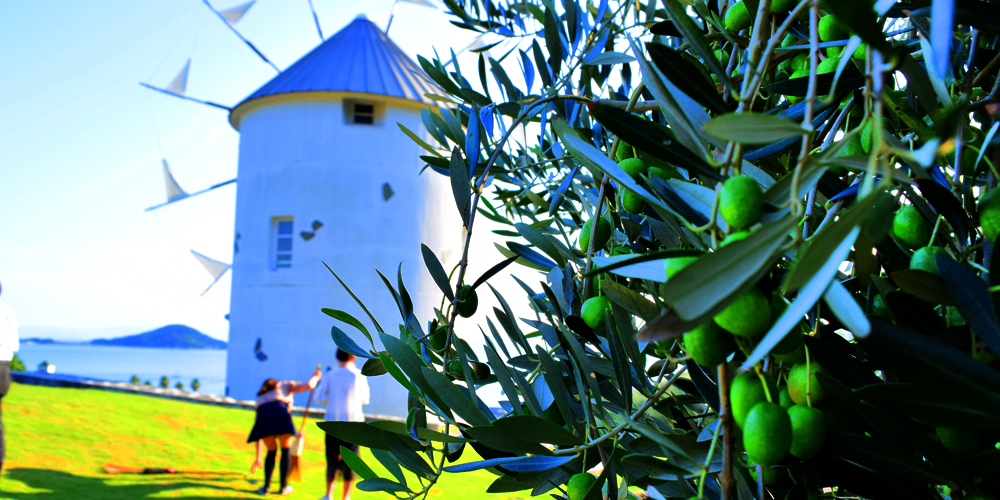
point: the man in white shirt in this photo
(9, 344)
(343, 390)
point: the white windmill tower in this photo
(325, 175)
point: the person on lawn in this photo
(9, 344)
(273, 426)
(343, 390)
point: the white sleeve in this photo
(13, 332)
(322, 394)
(363, 392)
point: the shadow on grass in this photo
(59, 485)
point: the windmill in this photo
(320, 148)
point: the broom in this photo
(294, 472)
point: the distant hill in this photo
(36, 340)
(168, 337)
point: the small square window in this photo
(281, 248)
(364, 114)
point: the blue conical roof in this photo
(359, 58)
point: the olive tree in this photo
(763, 233)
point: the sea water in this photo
(119, 364)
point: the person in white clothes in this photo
(9, 344)
(343, 390)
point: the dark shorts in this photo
(4, 387)
(272, 419)
(334, 461)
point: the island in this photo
(167, 337)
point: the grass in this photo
(58, 440)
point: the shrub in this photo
(851, 172)
(17, 364)
(195, 385)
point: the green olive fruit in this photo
(828, 65)
(632, 202)
(790, 41)
(910, 226)
(800, 61)
(799, 73)
(723, 56)
(767, 434)
(923, 259)
(747, 316)
(468, 301)
(772, 475)
(989, 214)
(782, 6)
(853, 148)
(708, 344)
(866, 138)
(737, 236)
(480, 371)
(746, 391)
(797, 382)
(784, 400)
(456, 369)
(634, 167)
(808, 431)
(960, 441)
(741, 202)
(837, 51)
(658, 172)
(602, 235)
(624, 151)
(832, 29)
(594, 312)
(673, 265)
(861, 52)
(439, 339)
(738, 17)
(579, 485)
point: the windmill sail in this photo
(214, 267)
(179, 85)
(233, 15)
(174, 191)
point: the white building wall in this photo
(300, 159)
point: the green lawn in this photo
(58, 440)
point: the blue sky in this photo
(81, 142)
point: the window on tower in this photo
(363, 113)
(282, 228)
